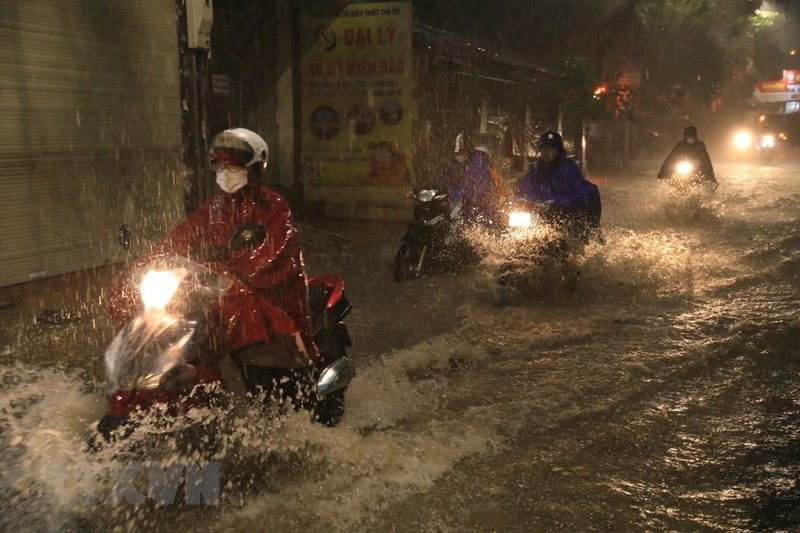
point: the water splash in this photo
(280, 462)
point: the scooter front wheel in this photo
(407, 263)
(330, 410)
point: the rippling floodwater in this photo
(662, 394)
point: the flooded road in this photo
(662, 394)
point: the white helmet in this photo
(238, 146)
(463, 142)
(483, 148)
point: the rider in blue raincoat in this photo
(468, 178)
(556, 185)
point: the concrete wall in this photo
(360, 202)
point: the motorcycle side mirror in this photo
(248, 235)
(335, 376)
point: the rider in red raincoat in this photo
(264, 318)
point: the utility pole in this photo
(584, 164)
(524, 140)
(285, 91)
(194, 41)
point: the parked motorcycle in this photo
(165, 353)
(433, 239)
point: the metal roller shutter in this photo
(90, 131)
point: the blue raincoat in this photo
(561, 185)
(472, 183)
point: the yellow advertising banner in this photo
(356, 81)
(778, 86)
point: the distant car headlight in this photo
(742, 140)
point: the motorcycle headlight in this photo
(768, 141)
(519, 219)
(684, 167)
(158, 287)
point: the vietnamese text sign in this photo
(356, 93)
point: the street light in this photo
(599, 91)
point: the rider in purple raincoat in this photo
(467, 178)
(556, 184)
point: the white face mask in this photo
(231, 181)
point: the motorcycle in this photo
(165, 354)
(433, 239)
(532, 243)
(687, 179)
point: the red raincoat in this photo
(271, 298)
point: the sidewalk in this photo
(58, 298)
(67, 290)
(63, 321)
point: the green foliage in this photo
(689, 47)
(703, 51)
(684, 49)
(576, 89)
(767, 57)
